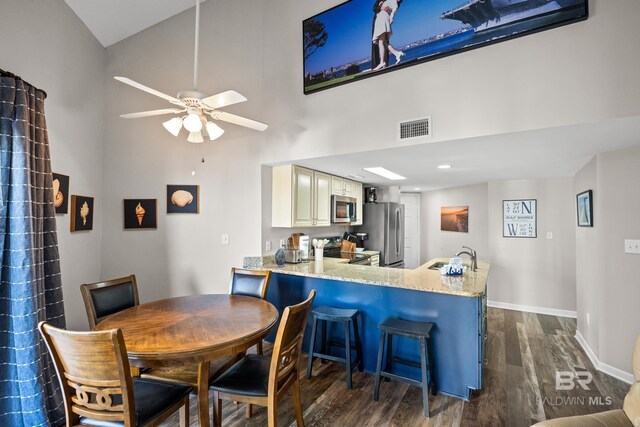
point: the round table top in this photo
(193, 326)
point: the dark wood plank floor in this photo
(524, 352)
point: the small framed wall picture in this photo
(61, 193)
(519, 218)
(454, 218)
(584, 206)
(140, 214)
(183, 199)
(81, 213)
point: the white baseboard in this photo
(533, 309)
(603, 367)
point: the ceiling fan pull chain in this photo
(197, 45)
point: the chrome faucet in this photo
(472, 255)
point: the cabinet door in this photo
(357, 193)
(322, 198)
(336, 186)
(349, 188)
(303, 197)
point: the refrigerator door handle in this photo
(397, 232)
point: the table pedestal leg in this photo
(203, 394)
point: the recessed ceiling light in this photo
(416, 189)
(385, 173)
(444, 167)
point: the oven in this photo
(343, 209)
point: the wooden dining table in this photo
(192, 330)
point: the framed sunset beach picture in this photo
(362, 38)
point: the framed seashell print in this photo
(81, 213)
(61, 193)
(140, 214)
(183, 199)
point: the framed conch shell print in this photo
(61, 193)
(81, 213)
(140, 214)
(183, 199)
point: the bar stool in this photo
(420, 331)
(346, 316)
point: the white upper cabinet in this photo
(300, 197)
(358, 194)
(343, 187)
(322, 199)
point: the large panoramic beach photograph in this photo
(362, 38)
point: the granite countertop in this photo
(470, 284)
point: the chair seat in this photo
(407, 328)
(333, 313)
(615, 418)
(152, 398)
(248, 377)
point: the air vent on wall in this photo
(416, 128)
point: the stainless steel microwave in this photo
(343, 209)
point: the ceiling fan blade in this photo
(223, 99)
(151, 113)
(137, 85)
(240, 121)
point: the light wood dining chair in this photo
(98, 390)
(102, 299)
(264, 380)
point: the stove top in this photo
(352, 257)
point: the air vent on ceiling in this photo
(416, 128)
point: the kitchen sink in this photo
(438, 265)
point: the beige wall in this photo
(612, 292)
(534, 272)
(526, 272)
(48, 46)
(589, 268)
(436, 243)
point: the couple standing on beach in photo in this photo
(384, 11)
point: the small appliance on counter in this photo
(360, 238)
(370, 195)
(293, 256)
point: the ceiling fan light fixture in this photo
(173, 126)
(192, 123)
(214, 131)
(195, 137)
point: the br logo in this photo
(566, 380)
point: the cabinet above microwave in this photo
(301, 197)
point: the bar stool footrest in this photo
(400, 378)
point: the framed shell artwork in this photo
(81, 213)
(140, 214)
(183, 199)
(61, 193)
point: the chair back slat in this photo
(251, 283)
(103, 299)
(94, 373)
(287, 347)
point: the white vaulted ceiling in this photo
(111, 21)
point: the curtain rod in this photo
(4, 73)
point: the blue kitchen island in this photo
(456, 305)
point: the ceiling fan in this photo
(195, 108)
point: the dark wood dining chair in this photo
(251, 283)
(98, 390)
(264, 380)
(103, 299)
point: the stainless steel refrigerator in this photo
(384, 223)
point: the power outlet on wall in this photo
(267, 245)
(632, 246)
(282, 242)
(224, 239)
